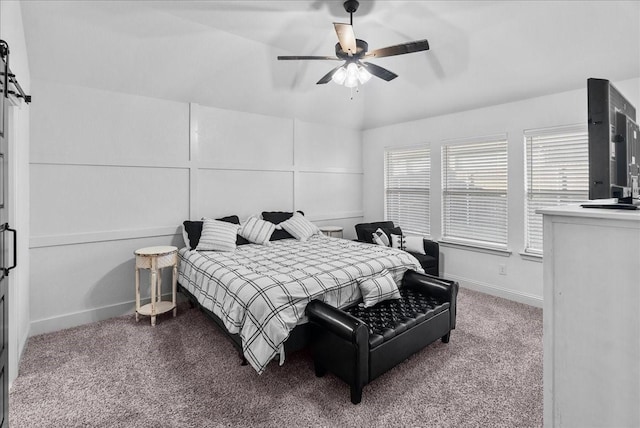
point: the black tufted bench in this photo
(359, 344)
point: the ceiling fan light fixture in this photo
(339, 76)
(351, 75)
(363, 75)
(351, 80)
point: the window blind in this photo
(474, 189)
(557, 173)
(407, 189)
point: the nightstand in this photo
(333, 231)
(156, 258)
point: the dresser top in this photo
(600, 213)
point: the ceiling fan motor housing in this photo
(361, 50)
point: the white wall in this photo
(472, 268)
(12, 31)
(113, 172)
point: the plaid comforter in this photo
(261, 292)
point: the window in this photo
(407, 185)
(557, 173)
(474, 190)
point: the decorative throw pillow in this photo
(391, 231)
(193, 230)
(378, 288)
(414, 244)
(301, 228)
(398, 241)
(257, 231)
(381, 238)
(217, 236)
(277, 217)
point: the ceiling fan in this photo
(354, 52)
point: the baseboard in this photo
(75, 319)
(516, 296)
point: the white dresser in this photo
(591, 317)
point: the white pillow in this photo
(377, 288)
(299, 227)
(398, 241)
(414, 244)
(381, 238)
(185, 237)
(257, 230)
(217, 236)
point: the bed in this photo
(259, 293)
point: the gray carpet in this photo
(185, 373)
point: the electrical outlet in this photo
(502, 269)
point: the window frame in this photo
(409, 229)
(493, 245)
(560, 132)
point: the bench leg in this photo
(356, 394)
(319, 369)
(446, 337)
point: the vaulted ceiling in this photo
(223, 53)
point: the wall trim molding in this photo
(119, 235)
(516, 296)
(92, 315)
(336, 216)
(103, 236)
(208, 165)
(119, 164)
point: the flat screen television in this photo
(614, 145)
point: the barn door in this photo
(7, 249)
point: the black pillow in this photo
(194, 230)
(277, 217)
(230, 219)
(279, 234)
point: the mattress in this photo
(261, 291)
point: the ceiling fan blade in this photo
(346, 37)
(285, 57)
(404, 48)
(327, 77)
(378, 71)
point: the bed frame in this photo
(297, 340)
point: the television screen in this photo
(614, 145)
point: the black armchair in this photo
(430, 261)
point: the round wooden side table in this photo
(156, 258)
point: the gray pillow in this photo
(378, 288)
